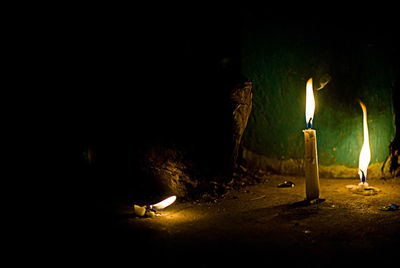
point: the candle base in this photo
(311, 165)
(363, 189)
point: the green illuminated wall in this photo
(280, 57)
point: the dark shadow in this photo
(292, 211)
(305, 203)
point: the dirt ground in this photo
(262, 224)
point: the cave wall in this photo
(151, 98)
(135, 87)
(279, 55)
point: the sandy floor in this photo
(265, 224)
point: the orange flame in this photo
(365, 154)
(310, 103)
(163, 204)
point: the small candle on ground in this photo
(152, 210)
(310, 146)
(363, 162)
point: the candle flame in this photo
(310, 103)
(165, 203)
(365, 154)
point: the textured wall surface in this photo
(279, 57)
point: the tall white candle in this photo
(310, 141)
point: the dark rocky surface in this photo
(259, 224)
